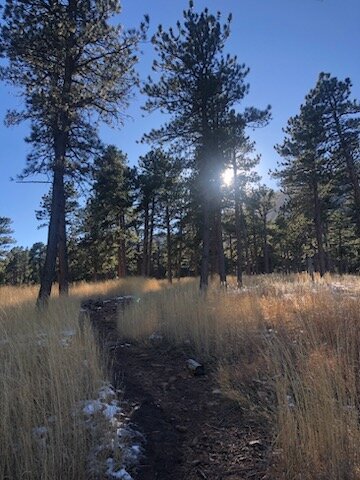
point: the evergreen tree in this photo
(73, 66)
(36, 261)
(198, 86)
(17, 266)
(303, 173)
(6, 238)
(108, 207)
(340, 120)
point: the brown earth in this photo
(191, 431)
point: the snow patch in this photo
(111, 471)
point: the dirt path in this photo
(191, 430)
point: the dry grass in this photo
(48, 367)
(287, 349)
(113, 288)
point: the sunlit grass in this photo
(287, 350)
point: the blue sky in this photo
(286, 44)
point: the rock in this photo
(181, 428)
(254, 443)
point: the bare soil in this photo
(191, 431)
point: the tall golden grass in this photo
(49, 367)
(287, 350)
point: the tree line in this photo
(173, 214)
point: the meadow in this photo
(285, 349)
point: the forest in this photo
(194, 204)
(186, 318)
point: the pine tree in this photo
(6, 238)
(74, 67)
(303, 173)
(109, 204)
(198, 86)
(340, 119)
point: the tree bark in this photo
(57, 201)
(239, 265)
(62, 251)
(151, 237)
(204, 269)
(144, 265)
(168, 244)
(220, 248)
(122, 247)
(319, 229)
(266, 247)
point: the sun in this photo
(227, 177)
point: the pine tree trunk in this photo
(168, 244)
(179, 254)
(220, 248)
(57, 243)
(255, 248)
(204, 269)
(266, 249)
(319, 229)
(144, 271)
(62, 252)
(239, 266)
(231, 253)
(56, 214)
(122, 248)
(151, 237)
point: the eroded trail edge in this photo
(190, 429)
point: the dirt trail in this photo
(191, 430)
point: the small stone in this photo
(181, 428)
(254, 443)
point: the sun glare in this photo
(227, 177)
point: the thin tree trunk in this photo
(239, 265)
(144, 271)
(122, 247)
(319, 230)
(168, 244)
(204, 269)
(179, 255)
(231, 252)
(220, 248)
(266, 249)
(149, 266)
